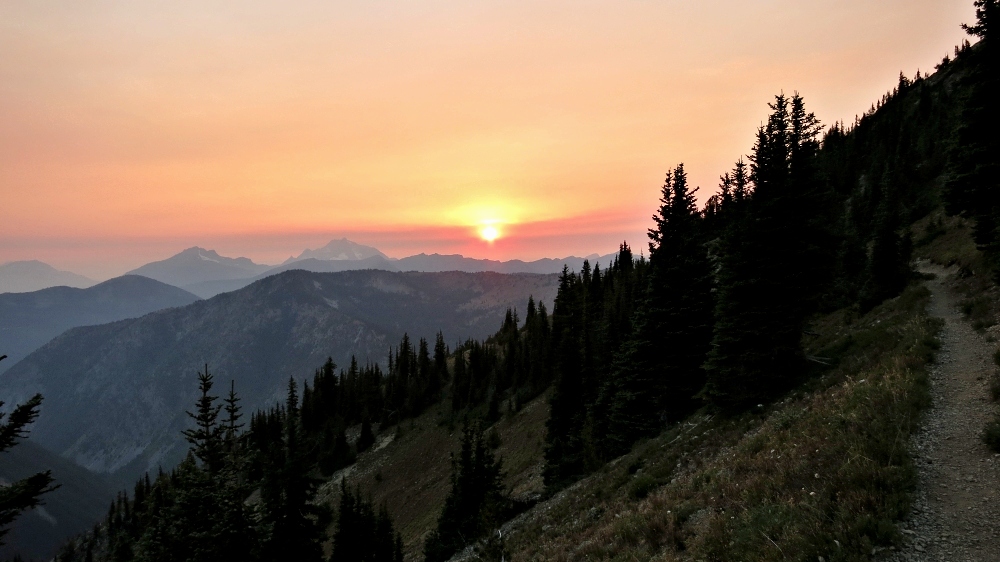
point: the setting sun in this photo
(489, 233)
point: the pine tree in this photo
(460, 382)
(206, 438)
(564, 444)
(24, 494)
(888, 266)
(767, 274)
(366, 439)
(973, 186)
(441, 358)
(289, 515)
(362, 535)
(476, 503)
(232, 527)
(658, 370)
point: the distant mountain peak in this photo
(197, 264)
(33, 275)
(339, 250)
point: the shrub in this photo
(641, 486)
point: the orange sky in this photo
(131, 130)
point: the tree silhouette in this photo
(24, 494)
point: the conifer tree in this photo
(973, 187)
(767, 274)
(888, 266)
(290, 517)
(441, 358)
(361, 534)
(206, 437)
(564, 445)
(232, 526)
(658, 370)
(366, 439)
(476, 503)
(24, 494)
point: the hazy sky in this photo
(132, 130)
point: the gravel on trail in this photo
(956, 511)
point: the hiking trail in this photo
(956, 511)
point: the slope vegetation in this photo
(823, 472)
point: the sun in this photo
(489, 233)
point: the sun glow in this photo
(489, 233)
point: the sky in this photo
(132, 130)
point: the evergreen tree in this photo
(24, 494)
(233, 524)
(974, 160)
(290, 517)
(888, 267)
(366, 439)
(361, 534)
(476, 503)
(564, 445)
(206, 438)
(658, 370)
(441, 358)
(767, 270)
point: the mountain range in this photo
(115, 394)
(203, 276)
(32, 275)
(205, 273)
(32, 319)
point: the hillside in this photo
(32, 319)
(115, 394)
(710, 476)
(825, 470)
(80, 501)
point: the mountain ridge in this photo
(426, 263)
(197, 264)
(279, 327)
(32, 275)
(34, 318)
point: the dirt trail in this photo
(956, 515)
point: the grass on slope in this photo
(824, 473)
(410, 473)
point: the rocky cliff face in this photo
(115, 394)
